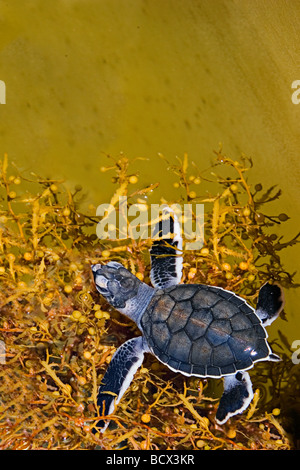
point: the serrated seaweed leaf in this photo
(266, 197)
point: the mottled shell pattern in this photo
(203, 331)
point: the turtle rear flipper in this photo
(166, 251)
(270, 303)
(124, 364)
(236, 397)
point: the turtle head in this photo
(116, 284)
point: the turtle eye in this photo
(113, 287)
(127, 283)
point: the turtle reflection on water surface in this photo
(195, 329)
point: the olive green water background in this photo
(89, 77)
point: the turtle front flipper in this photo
(124, 364)
(236, 397)
(166, 251)
(270, 303)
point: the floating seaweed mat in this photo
(58, 336)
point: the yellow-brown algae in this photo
(59, 334)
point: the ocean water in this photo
(87, 78)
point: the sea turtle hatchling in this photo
(198, 330)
